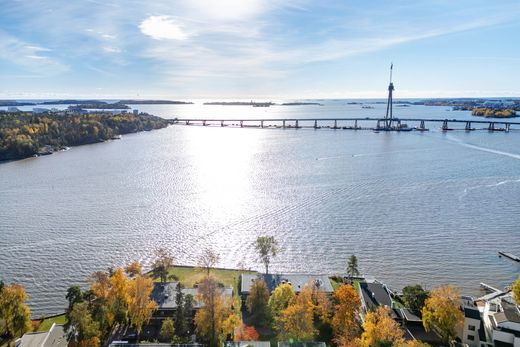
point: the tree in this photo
(188, 312)
(13, 310)
(379, 330)
(208, 259)
(257, 302)
(133, 269)
(319, 304)
(167, 330)
(86, 330)
(442, 312)
(345, 322)
(118, 297)
(245, 333)
(352, 266)
(141, 306)
(180, 315)
(516, 291)
(296, 323)
(414, 297)
(74, 295)
(163, 262)
(280, 299)
(215, 310)
(267, 247)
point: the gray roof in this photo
(248, 343)
(164, 295)
(511, 311)
(55, 337)
(301, 344)
(374, 294)
(410, 316)
(298, 281)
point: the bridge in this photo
(367, 123)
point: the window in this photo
(471, 337)
(471, 327)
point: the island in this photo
(27, 134)
(103, 106)
(301, 103)
(154, 102)
(493, 112)
(13, 103)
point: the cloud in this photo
(163, 28)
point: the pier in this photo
(509, 255)
(367, 123)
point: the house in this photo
(492, 320)
(297, 281)
(301, 344)
(55, 337)
(164, 295)
(248, 344)
(13, 109)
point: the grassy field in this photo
(46, 324)
(188, 276)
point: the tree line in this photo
(23, 134)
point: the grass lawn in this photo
(188, 276)
(46, 324)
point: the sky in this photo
(184, 49)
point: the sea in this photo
(417, 207)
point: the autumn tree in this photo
(442, 312)
(86, 329)
(257, 302)
(141, 306)
(208, 259)
(345, 322)
(74, 295)
(161, 265)
(134, 268)
(380, 329)
(414, 297)
(313, 296)
(118, 297)
(245, 333)
(280, 299)
(215, 310)
(14, 313)
(267, 247)
(297, 324)
(516, 291)
(352, 266)
(167, 332)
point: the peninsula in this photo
(27, 134)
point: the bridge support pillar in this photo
(297, 124)
(261, 124)
(283, 124)
(241, 123)
(355, 125)
(187, 122)
(508, 126)
(221, 123)
(378, 126)
(335, 124)
(422, 125)
(315, 124)
(203, 123)
(468, 126)
(445, 125)
(491, 126)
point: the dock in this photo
(509, 255)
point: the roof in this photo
(298, 281)
(55, 337)
(511, 311)
(301, 344)
(410, 316)
(248, 343)
(374, 294)
(164, 295)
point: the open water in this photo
(425, 208)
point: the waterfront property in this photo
(492, 320)
(55, 337)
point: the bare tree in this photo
(208, 259)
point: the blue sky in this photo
(258, 48)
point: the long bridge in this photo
(367, 123)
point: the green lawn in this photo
(46, 324)
(188, 276)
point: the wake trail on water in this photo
(482, 149)
(373, 154)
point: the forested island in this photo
(26, 134)
(154, 102)
(493, 113)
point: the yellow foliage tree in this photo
(134, 268)
(442, 312)
(516, 291)
(280, 299)
(141, 306)
(297, 323)
(316, 300)
(381, 330)
(213, 319)
(345, 322)
(14, 311)
(118, 296)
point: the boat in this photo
(509, 255)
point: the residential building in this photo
(55, 337)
